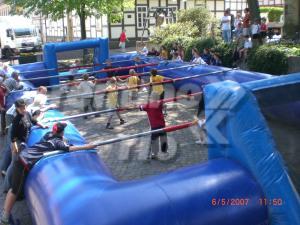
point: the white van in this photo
(17, 34)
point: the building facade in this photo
(138, 21)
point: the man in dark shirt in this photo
(28, 157)
(21, 125)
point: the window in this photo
(171, 16)
(142, 16)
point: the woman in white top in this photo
(226, 27)
(197, 58)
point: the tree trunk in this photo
(69, 26)
(254, 9)
(82, 17)
(291, 26)
(82, 24)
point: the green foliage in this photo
(268, 59)
(201, 18)
(200, 44)
(274, 13)
(192, 23)
(173, 30)
(226, 53)
(57, 8)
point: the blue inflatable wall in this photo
(77, 188)
(237, 130)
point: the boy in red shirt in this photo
(157, 121)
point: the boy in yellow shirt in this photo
(112, 101)
(157, 89)
(133, 81)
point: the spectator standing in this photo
(226, 27)
(123, 39)
(10, 84)
(237, 20)
(2, 108)
(255, 32)
(263, 28)
(246, 22)
(232, 20)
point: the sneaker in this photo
(97, 115)
(122, 122)
(109, 127)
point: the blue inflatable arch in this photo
(100, 46)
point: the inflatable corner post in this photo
(100, 46)
(237, 130)
(77, 188)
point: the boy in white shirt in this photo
(86, 87)
(247, 45)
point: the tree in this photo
(292, 21)
(84, 8)
(254, 9)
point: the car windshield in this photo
(19, 32)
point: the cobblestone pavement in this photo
(127, 160)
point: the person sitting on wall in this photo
(153, 52)
(243, 53)
(29, 157)
(216, 59)
(164, 55)
(144, 50)
(197, 58)
(176, 57)
(206, 56)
